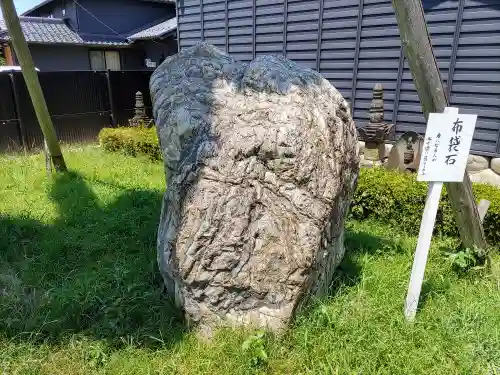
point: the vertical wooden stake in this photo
(32, 83)
(422, 252)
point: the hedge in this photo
(398, 199)
(393, 197)
(132, 141)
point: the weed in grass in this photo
(255, 347)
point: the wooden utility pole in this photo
(420, 56)
(32, 83)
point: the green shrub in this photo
(398, 199)
(132, 141)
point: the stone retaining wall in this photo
(481, 169)
(484, 170)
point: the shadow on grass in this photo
(433, 288)
(358, 243)
(92, 271)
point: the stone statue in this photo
(377, 132)
(261, 162)
(406, 153)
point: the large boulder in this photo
(261, 162)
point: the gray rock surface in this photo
(495, 165)
(476, 163)
(261, 162)
(486, 176)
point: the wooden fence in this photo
(81, 103)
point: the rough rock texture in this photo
(476, 163)
(486, 176)
(261, 161)
(495, 165)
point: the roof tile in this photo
(52, 31)
(155, 31)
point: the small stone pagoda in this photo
(377, 131)
(140, 118)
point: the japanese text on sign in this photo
(446, 147)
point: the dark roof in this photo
(53, 31)
(156, 31)
(42, 3)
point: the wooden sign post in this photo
(424, 70)
(446, 147)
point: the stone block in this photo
(385, 151)
(495, 165)
(366, 163)
(486, 176)
(476, 163)
(361, 147)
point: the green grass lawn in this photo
(80, 292)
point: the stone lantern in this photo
(140, 118)
(377, 131)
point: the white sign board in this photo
(444, 158)
(446, 147)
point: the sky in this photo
(23, 5)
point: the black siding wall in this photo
(355, 44)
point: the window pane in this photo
(113, 60)
(97, 61)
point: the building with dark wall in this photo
(355, 44)
(98, 34)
